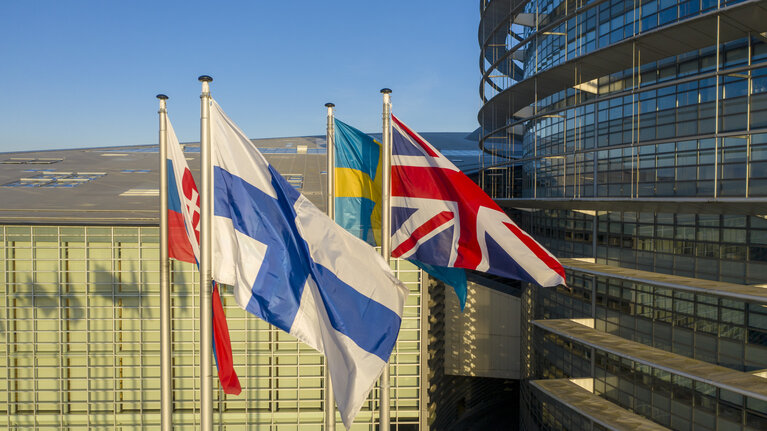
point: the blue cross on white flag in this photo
(295, 268)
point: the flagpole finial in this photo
(205, 78)
(162, 97)
(386, 91)
(330, 105)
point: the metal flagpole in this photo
(386, 238)
(330, 139)
(206, 304)
(166, 403)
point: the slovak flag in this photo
(442, 218)
(184, 245)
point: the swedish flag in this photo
(358, 183)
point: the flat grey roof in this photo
(719, 288)
(594, 407)
(128, 193)
(721, 377)
(125, 187)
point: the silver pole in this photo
(386, 237)
(206, 303)
(166, 394)
(330, 138)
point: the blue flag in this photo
(295, 268)
(358, 183)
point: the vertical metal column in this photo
(423, 375)
(634, 116)
(716, 112)
(206, 303)
(594, 231)
(638, 110)
(386, 237)
(330, 138)
(750, 88)
(166, 394)
(565, 153)
(536, 161)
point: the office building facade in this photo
(80, 298)
(630, 138)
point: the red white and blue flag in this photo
(184, 245)
(442, 218)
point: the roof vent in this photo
(56, 179)
(30, 161)
(141, 192)
(295, 180)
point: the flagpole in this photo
(206, 305)
(330, 139)
(166, 404)
(385, 239)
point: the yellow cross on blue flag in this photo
(358, 175)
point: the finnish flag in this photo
(295, 268)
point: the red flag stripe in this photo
(226, 374)
(178, 243)
(537, 250)
(423, 230)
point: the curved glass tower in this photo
(630, 137)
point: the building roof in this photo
(120, 185)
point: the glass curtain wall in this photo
(604, 119)
(707, 327)
(688, 125)
(723, 247)
(79, 312)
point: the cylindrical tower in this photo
(630, 138)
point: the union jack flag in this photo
(442, 218)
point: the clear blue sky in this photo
(85, 73)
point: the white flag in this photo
(295, 268)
